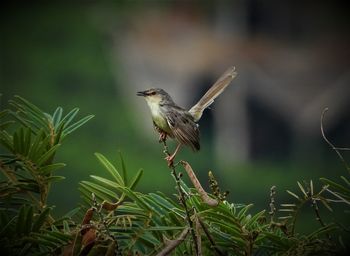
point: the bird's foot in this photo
(162, 137)
(170, 160)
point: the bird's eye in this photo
(153, 93)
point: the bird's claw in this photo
(162, 137)
(170, 160)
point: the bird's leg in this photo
(170, 158)
(162, 134)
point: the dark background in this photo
(287, 53)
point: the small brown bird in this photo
(171, 120)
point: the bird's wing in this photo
(208, 98)
(184, 129)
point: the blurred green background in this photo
(60, 55)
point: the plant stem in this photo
(98, 210)
(182, 199)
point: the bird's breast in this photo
(158, 117)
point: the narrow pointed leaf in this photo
(104, 181)
(76, 125)
(124, 173)
(40, 220)
(292, 194)
(57, 115)
(302, 189)
(28, 221)
(70, 116)
(47, 169)
(136, 179)
(336, 186)
(27, 141)
(110, 168)
(55, 178)
(47, 155)
(20, 225)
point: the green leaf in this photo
(7, 141)
(164, 203)
(6, 124)
(345, 180)
(322, 230)
(21, 220)
(16, 143)
(76, 125)
(40, 220)
(244, 210)
(6, 229)
(302, 189)
(54, 178)
(38, 142)
(61, 236)
(66, 228)
(104, 181)
(99, 191)
(29, 105)
(292, 194)
(325, 203)
(164, 228)
(27, 141)
(48, 169)
(136, 179)
(40, 241)
(256, 217)
(337, 186)
(137, 198)
(4, 113)
(56, 118)
(59, 133)
(48, 154)
(70, 116)
(235, 234)
(31, 111)
(125, 176)
(49, 238)
(67, 216)
(110, 168)
(28, 221)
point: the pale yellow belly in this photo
(161, 122)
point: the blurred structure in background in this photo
(293, 60)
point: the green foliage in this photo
(145, 223)
(30, 139)
(28, 162)
(116, 219)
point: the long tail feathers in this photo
(218, 87)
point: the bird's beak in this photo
(143, 93)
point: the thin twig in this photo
(182, 198)
(211, 240)
(331, 145)
(98, 210)
(318, 216)
(198, 233)
(172, 244)
(317, 212)
(338, 196)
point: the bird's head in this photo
(155, 96)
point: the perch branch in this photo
(182, 197)
(331, 145)
(206, 199)
(172, 244)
